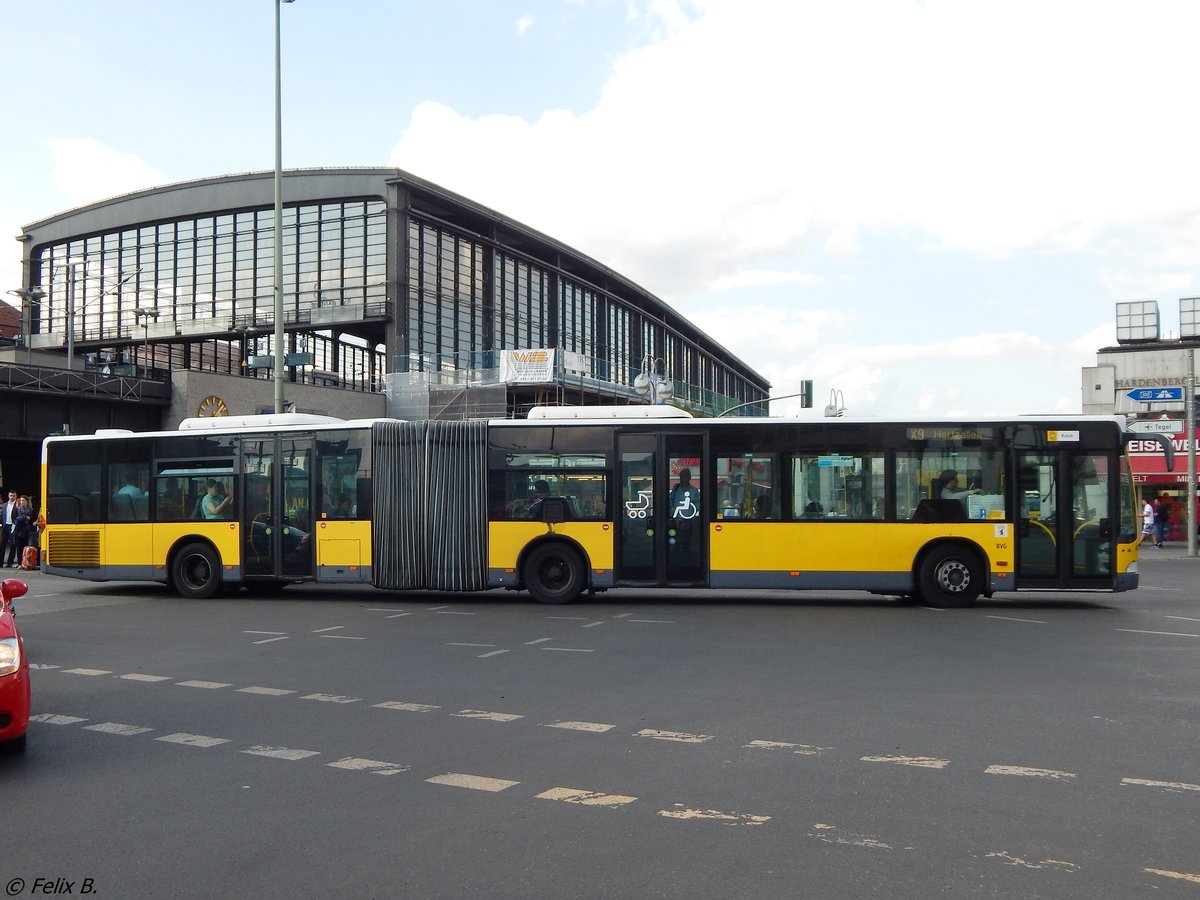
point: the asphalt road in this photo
(356, 743)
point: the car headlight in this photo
(10, 655)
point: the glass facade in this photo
(197, 293)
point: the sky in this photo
(927, 208)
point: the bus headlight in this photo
(10, 655)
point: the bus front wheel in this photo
(554, 573)
(196, 572)
(951, 576)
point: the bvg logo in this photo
(531, 356)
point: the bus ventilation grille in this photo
(74, 549)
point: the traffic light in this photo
(806, 394)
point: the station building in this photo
(1149, 377)
(400, 299)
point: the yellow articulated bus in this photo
(582, 499)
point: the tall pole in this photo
(70, 315)
(279, 330)
(1189, 393)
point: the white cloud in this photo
(85, 170)
(525, 23)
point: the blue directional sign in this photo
(1155, 395)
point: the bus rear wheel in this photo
(554, 573)
(195, 572)
(951, 576)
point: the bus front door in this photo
(277, 508)
(662, 533)
(1067, 525)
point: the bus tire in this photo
(950, 576)
(554, 573)
(196, 572)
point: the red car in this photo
(14, 672)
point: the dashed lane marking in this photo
(117, 728)
(586, 798)
(206, 685)
(330, 698)
(279, 636)
(713, 815)
(1168, 785)
(473, 782)
(677, 736)
(330, 628)
(462, 644)
(406, 707)
(1028, 772)
(491, 653)
(138, 676)
(802, 749)
(1163, 633)
(484, 714)
(42, 666)
(192, 740)
(921, 762)
(374, 766)
(280, 752)
(272, 640)
(832, 834)
(592, 624)
(343, 637)
(1178, 876)
(1182, 618)
(538, 641)
(1015, 619)
(1011, 860)
(265, 691)
(91, 673)
(567, 649)
(596, 727)
(54, 719)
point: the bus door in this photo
(277, 507)
(1068, 519)
(662, 530)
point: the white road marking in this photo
(266, 691)
(802, 749)
(725, 818)
(678, 736)
(344, 637)
(452, 612)
(1163, 633)
(1182, 618)
(330, 698)
(330, 628)
(474, 782)
(42, 666)
(1169, 785)
(569, 618)
(374, 766)
(653, 621)
(281, 752)
(406, 707)
(53, 719)
(922, 762)
(383, 609)
(538, 641)
(192, 740)
(491, 653)
(91, 673)
(592, 624)
(399, 615)
(484, 714)
(1178, 876)
(596, 727)
(117, 728)
(1015, 619)
(622, 615)
(586, 798)
(460, 644)
(1028, 772)
(567, 649)
(832, 834)
(137, 676)
(272, 640)
(1011, 860)
(264, 632)
(206, 685)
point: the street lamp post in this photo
(650, 382)
(279, 324)
(144, 315)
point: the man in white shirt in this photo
(7, 518)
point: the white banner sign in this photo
(527, 366)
